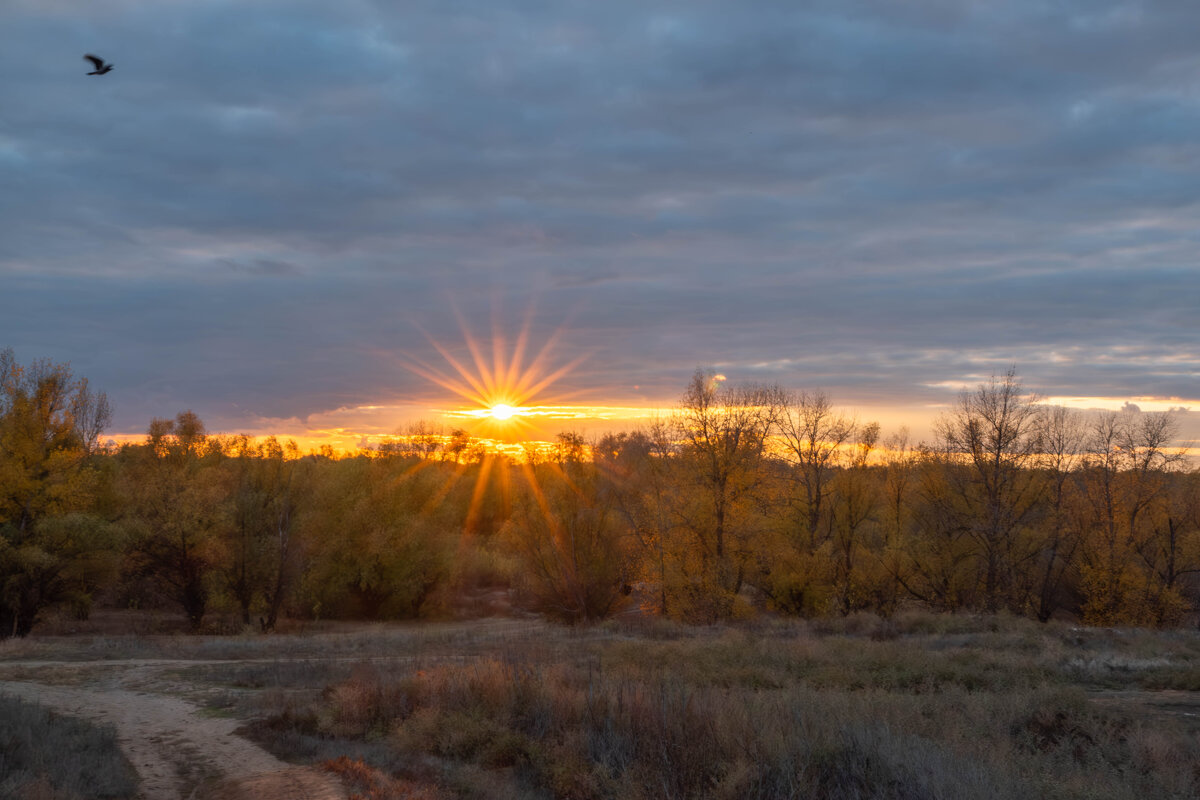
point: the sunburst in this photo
(506, 394)
(507, 391)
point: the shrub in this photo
(44, 756)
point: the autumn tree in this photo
(1170, 548)
(51, 548)
(1127, 461)
(936, 550)
(990, 440)
(260, 566)
(723, 432)
(1060, 532)
(569, 537)
(640, 468)
(177, 507)
(812, 434)
(379, 535)
(858, 577)
(900, 459)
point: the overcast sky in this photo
(264, 205)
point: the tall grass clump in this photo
(784, 711)
(45, 756)
(573, 731)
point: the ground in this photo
(178, 750)
(1062, 711)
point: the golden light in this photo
(502, 411)
(505, 384)
(508, 387)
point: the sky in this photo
(290, 216)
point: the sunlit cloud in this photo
(1150, 404)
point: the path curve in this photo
(180, 754)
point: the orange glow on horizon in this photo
(508, 380)
(507, 384)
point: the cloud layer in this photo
(258, 212)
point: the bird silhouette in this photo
(99, 64)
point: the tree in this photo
(50, 546)
(937, 547)
(990, 439)
(723, 435)
(378, 535)
(569, 537)
(261, 563)
(1126, 473)
(1062, 440)
(856, 500)
(1171, 551)
(177, 500)
(900, 469)
(639, 468)
(813, 434)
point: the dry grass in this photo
(367, 783)
(316, 640)
(44, 756)
(916, 707)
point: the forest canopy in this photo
(746, 499)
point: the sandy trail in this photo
(178, 753)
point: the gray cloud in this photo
(259, 207)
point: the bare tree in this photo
(812, 434)
(1062, 438)
(992, 436)
(638, 468)
(1171, 552)
(723, 432)
(1127, 464)
(856, 500)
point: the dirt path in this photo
(178, 753)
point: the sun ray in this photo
(472, 518)
(535, 489)
(432, 373)
(507, 381)
(513, 373)
(482, 370)
(528, 377)
(554, 376)
(436, 498)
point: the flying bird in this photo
(99, 64)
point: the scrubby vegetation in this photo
(747, 499)
(917, 706)
(44, 756)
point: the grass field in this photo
(44, 756)
(920, 706)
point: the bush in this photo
(51, 757)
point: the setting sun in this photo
(502, 411)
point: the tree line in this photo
(745, 498)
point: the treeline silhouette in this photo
(745, 499)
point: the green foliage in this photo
(260, 544)
(52, 550)
(176, 485)
(746, 499)
(570, 541)
(380, 535)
